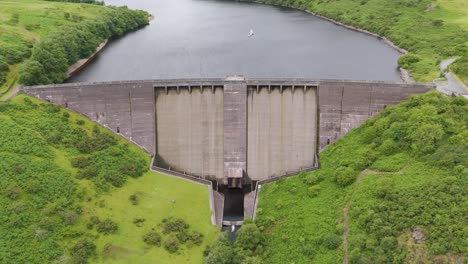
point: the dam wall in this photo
(190, 131)
(282, 130)
(234, 129)
(345, 105)
(126, 108)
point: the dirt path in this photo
(361, 176)
(345, 214)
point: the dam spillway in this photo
(234, 131)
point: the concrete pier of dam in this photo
(235, 131)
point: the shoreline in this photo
(82, 63)
(404, 74)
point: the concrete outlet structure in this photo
(235, 131)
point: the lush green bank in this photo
(71, 191)
(47, 37)
(413, 176)
(430, 30)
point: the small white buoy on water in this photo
(251, 33)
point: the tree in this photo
(107, 227)
(152, 238)
(82, 250)
(248, 237)
(31, 73)
(221, 251)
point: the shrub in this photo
(134, 199)
(116, 178)
(220, 252)
(388, 243)
(248, 237)
(152, 238)
(174, 225)
(82, 250)
(311, 179)
(309, 250)
(80, 162)
(406, 60)
(139, 221)
(313, 191)
(196, 238)
(70, 217)
(107, 227)
(182, 236)
(80, 122)
(344, 176)
(171, 244)
(438, 23)
(332, 242)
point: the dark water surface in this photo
(209, 38)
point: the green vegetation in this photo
(51, 212)
(431, 30)
(412, 162)
(54, 36)
(246, 249)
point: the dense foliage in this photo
(52, 56)
(40, 200)
(62, 32)
(80, 1)
(412, 162)
(247, 247)
(429, 30)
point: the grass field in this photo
(60, 207)
(160, 197)
(413, 175)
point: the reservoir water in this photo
(210, 39)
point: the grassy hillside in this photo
(70, 190)
(431, 30)
(65, 32)
(399, 175)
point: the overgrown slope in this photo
(70, 190)
(56, 35)
(431, 30)
(412, 163)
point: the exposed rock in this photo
(429, 8)
(417, 235)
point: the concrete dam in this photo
(235, 131)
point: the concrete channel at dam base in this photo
(232, 134)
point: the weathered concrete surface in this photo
(345, 105)
(190, 131)
(282, 131)
(235, 128)
(202, 126)
(124, 106)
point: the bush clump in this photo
(82, 250)
(107, 227)
(152, 238)
(171, 244)
(174, 225)
(344, 176)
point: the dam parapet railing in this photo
(222, 81)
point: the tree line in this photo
(53, 55)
